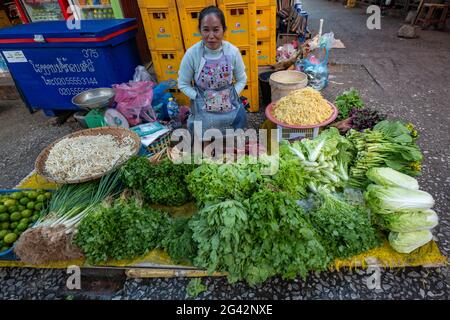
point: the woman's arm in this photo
(239, 73)
(186, 75)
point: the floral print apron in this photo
(217, 102)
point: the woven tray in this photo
(117, 132)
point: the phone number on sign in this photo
(71, 91)
(67, 81)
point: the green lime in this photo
(22, 226)
(30, 205)
(2, 244)
(4, 249)
(24, 201)
(10, 238)
(32, 194)
(38, 206)
(15, 216)
(16, 195)
(3, 233)
(21, 207)
(24, 221)
(10, 202)
(3, 208)
(13, 225)
(40, 191)
(41, 198)
(34, 217)
(48, 195)
(5, 225)
(27, 213)
(12, 209)
(4, 217)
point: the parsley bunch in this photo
(162, 183)
(346, 230)
(124, 230)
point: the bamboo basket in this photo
(117, 132)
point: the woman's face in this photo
(212, 31)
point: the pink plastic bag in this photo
(134, 101)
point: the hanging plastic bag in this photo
(316, 68)
(134, 101)
(141, 74)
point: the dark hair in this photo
(211, 10)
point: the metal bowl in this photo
(94, 98)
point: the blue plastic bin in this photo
(51, 63)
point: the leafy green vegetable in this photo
(135, 172)
(161, 183)
(383, 200)
(122, 231)
(257, 238)
(414, 220)
(391, 178)
(407, 242)
(178, 241)
(346, 102)
(324, 159)
(389, 144)
(346, 230)
(216, 182)
(195, 287)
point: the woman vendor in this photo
(206, 76)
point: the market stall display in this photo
(337, 195)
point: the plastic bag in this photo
(159, 94)
(327, 40)
(286, 52)
(141, 74)
(134, 101)
(316, 68)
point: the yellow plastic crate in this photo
(240, 17)
(166, 63)
(251, 91)
(249, 56)
(266, 18)
(266, 52)
(161, 24)
(188, 11)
